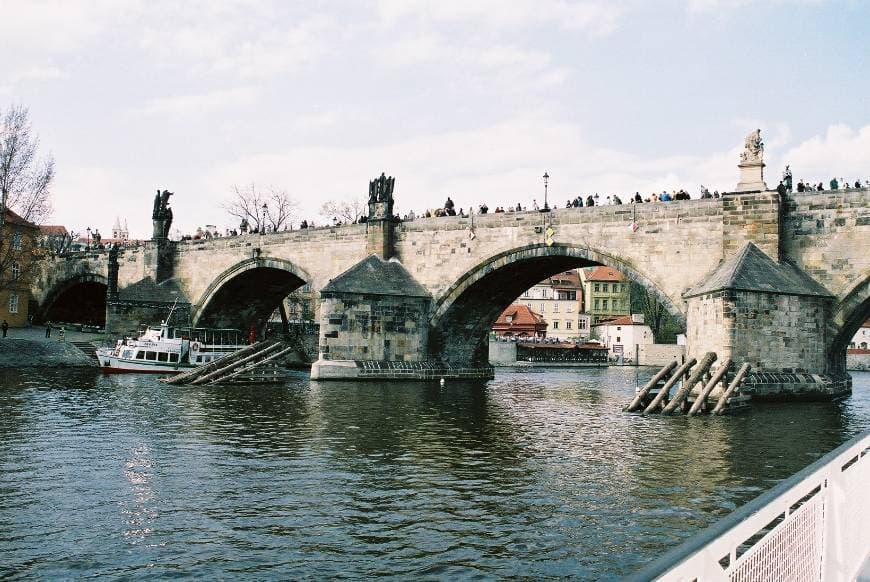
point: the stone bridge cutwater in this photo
(787, 303)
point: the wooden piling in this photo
(186, 377)
(681, 371)
(235, 363)
(687, 386)
(638, 398)
(251, 366)
(702, 397)
(735, 383)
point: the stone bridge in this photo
(474, 267)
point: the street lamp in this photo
(546, 179)
(263, 224)
(89, 237)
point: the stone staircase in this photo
(87, 348)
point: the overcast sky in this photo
(470, 98)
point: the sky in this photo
(475, 99)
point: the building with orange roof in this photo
(606, 293)
(521, 322)
(18, 240)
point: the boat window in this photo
(173, 357)
(162, 357)
(127, 354)
(199, 359)
(150, 355)
(140, 355)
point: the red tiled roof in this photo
(12, 218)
(603, 273)
(569, 279)
(520, 315)
(624, 320)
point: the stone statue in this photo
(381, 197)
(162, 214)
(787, 179)
(753, 150)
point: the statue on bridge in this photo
(162, 214)
(787, 178)
(753, 149)
(381, 197)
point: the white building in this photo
(623, 334)
(861, 340)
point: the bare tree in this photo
(656, 315)
(258, 208)
(25, 179)
(58, 243)
(347, 210)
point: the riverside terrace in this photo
(471, 268)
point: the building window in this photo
(597, 287)
(569, 308)
(509, 318)
(555, 325)
(526, 293)
(568, 324)
(581, 324)
(604, 303)
(13, 303)
(542, 308)
(16, 271)
(597, 303)
(618, 340)
(555, 308)
(16, 241)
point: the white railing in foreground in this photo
(815, 525)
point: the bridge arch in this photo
(849, 313)
(248, 292)
(77, 299)
(464, 313)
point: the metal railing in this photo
(815, 525)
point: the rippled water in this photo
(536, 474)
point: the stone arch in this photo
(247, 292)
(849, 313)
(93, 288)
(464, 313)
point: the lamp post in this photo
(546, 180)
(89, 237)
(263, 223)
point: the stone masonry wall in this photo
(373, 327)
(751, 217)
(827, 234)
(708, 330)
(674, 245)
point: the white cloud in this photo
(843, 152)
(202, 104)
(590, 16)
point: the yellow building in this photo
(18, 241)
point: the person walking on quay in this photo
(4, 327)
(47, 330)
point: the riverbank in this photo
(28, 347)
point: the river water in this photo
(536, 474)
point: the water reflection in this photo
(536, 474)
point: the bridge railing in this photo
(812, 526)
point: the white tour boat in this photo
(167, 350)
